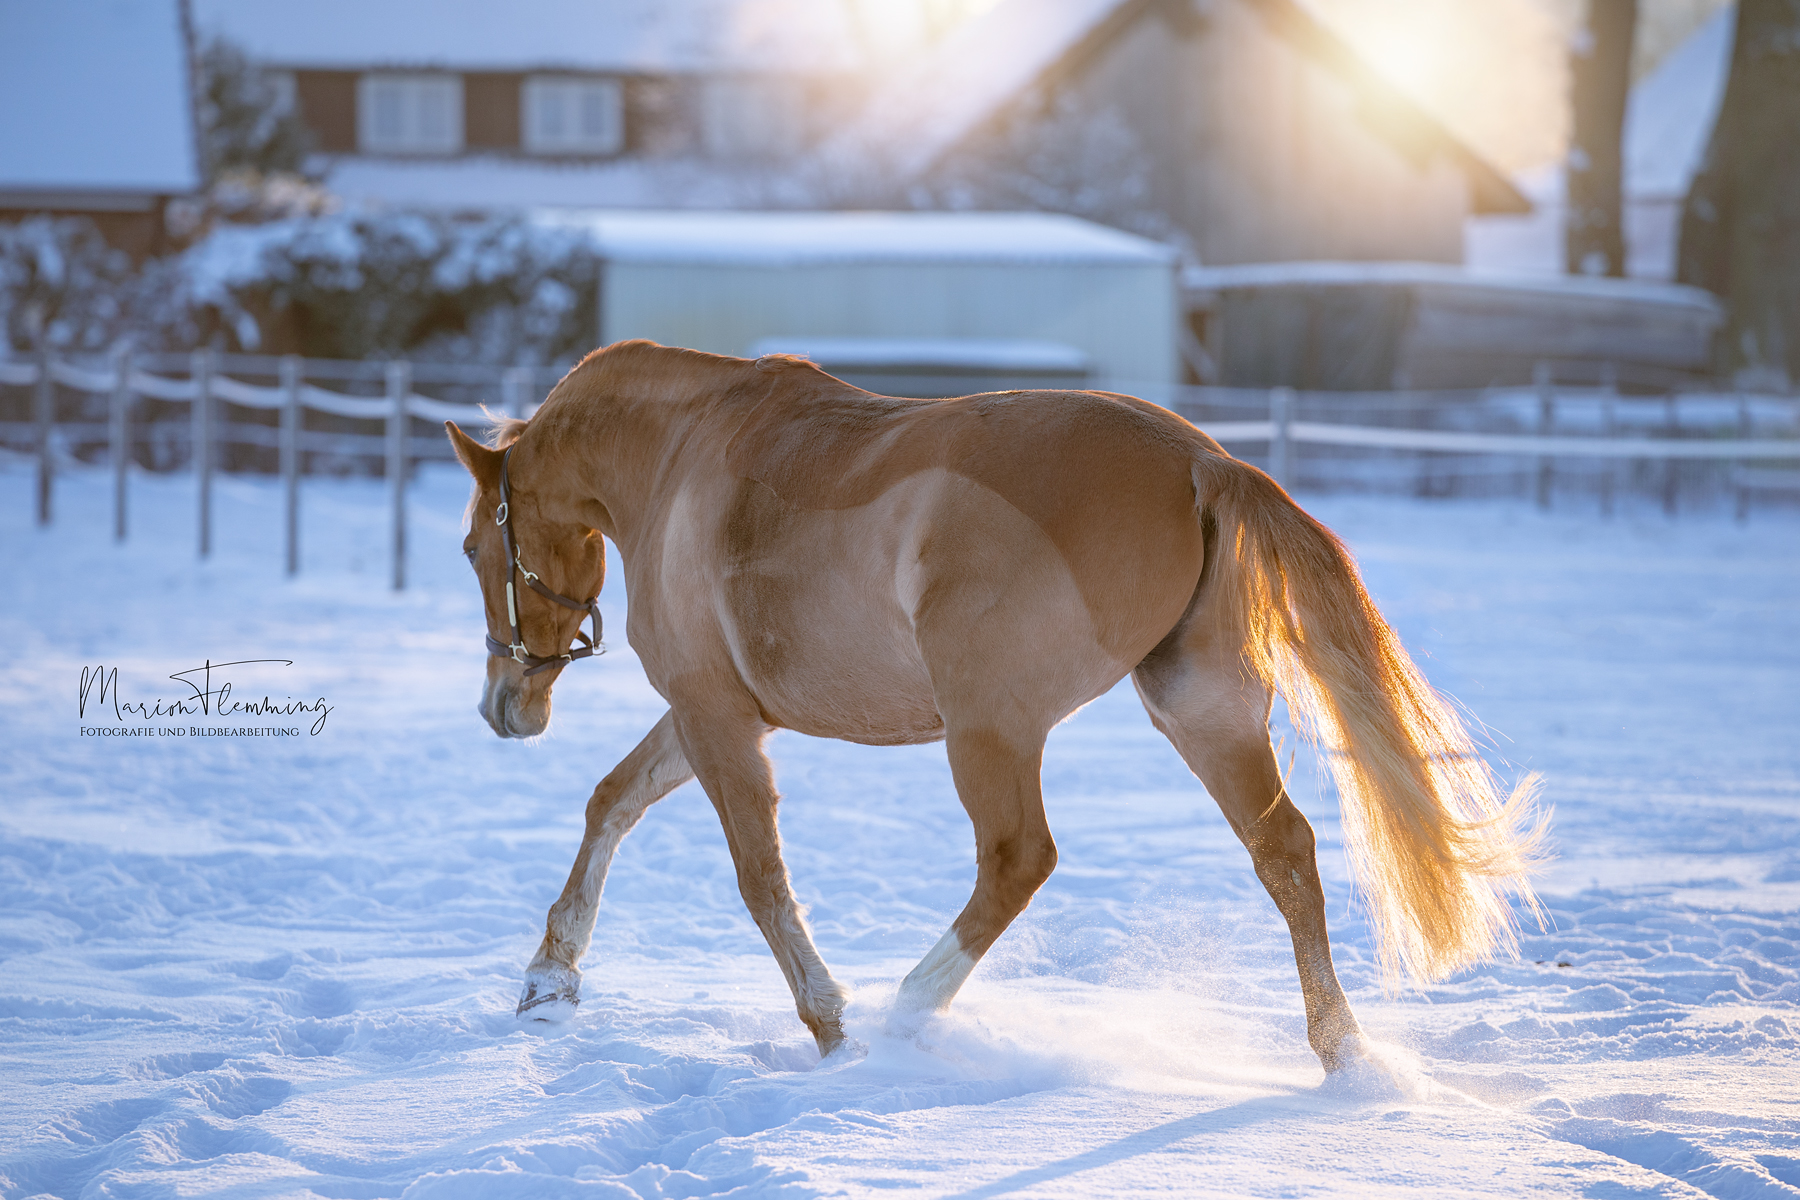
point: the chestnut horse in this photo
(805, 555)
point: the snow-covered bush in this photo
(62, 285)
(335, 285)
(359, 285)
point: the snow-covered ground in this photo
(287, 965)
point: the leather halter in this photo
(589, 647)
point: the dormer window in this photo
(566, 114)
(409, 114)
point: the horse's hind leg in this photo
(726, 750)
(999, 781)
(1218, 722)
(650, 772)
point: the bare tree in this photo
(1600, 70)
(1740, 226)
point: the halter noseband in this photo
(590, 646)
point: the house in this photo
(1244, 129)
(917, 303)
(99, 115)
(470, 104)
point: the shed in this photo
(724, 281)
(1372, 326)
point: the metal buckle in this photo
(500, 514)
(519, 653)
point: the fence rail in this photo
(209, 382)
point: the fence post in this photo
(1744, 431)
(201, 372)
(1540, 376)
(515, 385)
(45, 416)
(399, 383)
(290, 459)
(119, 435)
(1609, 394)
(1281, 416)
(1671, 480)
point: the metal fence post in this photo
(1671, 479)
(45, 416)
(1281, 416)
(1540, 376)
(201, 371)
(119, 436)
(1609, 395)
(290, 459)
(399, 383)
(1745, 431)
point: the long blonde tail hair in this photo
(1436, 845)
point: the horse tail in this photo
(1435, 844)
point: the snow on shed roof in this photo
(1672, 110)
(1354, 274)
(787, 238)
(590, 35)
(96, 98)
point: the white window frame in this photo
(409, 113)
(572, 115)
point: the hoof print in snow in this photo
(547, 998)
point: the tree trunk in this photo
(1740, 226)
(1600, 70)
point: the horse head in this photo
(530, 557)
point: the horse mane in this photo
(628, 367)
(503, 431)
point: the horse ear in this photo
(482, 462)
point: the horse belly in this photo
(820, 629)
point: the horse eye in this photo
(469, 553)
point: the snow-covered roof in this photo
(789, 238)
(1672, 110)
(812, 36)
(1343, 274)
(95, 96)
(489, 183)
(973, 354)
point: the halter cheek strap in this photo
(532, 663)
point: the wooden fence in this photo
(207, 382)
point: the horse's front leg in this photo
(650, 772)
(725, 746)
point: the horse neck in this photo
(610, 447)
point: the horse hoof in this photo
(550, 995)
(845, 1050)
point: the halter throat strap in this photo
(532, 663)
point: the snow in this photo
(793, 238)
(1671, 113)
(481, 183)
(286, 966)
(1341, 274)
(96, 98)
(980, 354)
(812, 36)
